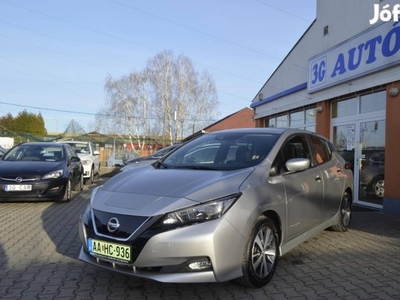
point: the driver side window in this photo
(294, 147)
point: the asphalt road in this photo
(39, 245)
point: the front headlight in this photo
(86, 162)
(54, 175)
(211, 210)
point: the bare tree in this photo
(103, 121)
(167, 97)
(182, 96)
(127, 105)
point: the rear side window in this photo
(321, 153)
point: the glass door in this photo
(362, 145)
(344, 139)
(371, 162)
(358, 133)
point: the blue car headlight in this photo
(210, 210)
(54, 175)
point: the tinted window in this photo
(221, 150)
(320, 151)
(294, 147)
(34, 152)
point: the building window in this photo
(282, 121)
(359, 105)
(310, 116)
(373, 102)
(302, 119)
(271, 123)
(296, 119)
(344, 108)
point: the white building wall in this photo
(344, 19)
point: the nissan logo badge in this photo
(113, 224)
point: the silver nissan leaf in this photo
(222, 207)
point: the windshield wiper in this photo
(159, 164)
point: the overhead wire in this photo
(144, 46)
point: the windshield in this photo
(163, 151)
(31, 152)
(222, 151)
(80, 147)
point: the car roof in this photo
(39, 143)
(75, 142)
(278, 131)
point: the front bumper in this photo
(165, 257)
(87, 170)
(41, 191)
(147, 273)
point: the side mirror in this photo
(75, 159)
(297, 164)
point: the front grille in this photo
(128, 224)
(23, 178)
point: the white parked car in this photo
(90, 159)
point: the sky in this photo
(55, 55)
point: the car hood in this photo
(149, 191)
(24, 168)
(138, 164)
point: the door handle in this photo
(318, 178)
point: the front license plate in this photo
(110, 250)
(17, 187)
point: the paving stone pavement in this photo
(39, 245)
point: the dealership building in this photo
(342, 80)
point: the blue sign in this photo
(370, 51)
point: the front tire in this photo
(68, 191)
(90, 180)
(261, 254)
(98, 174)
(81, 182)
(345, 214)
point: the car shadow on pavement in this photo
(60, 220)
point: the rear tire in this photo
(261, 254)
(345, 214)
